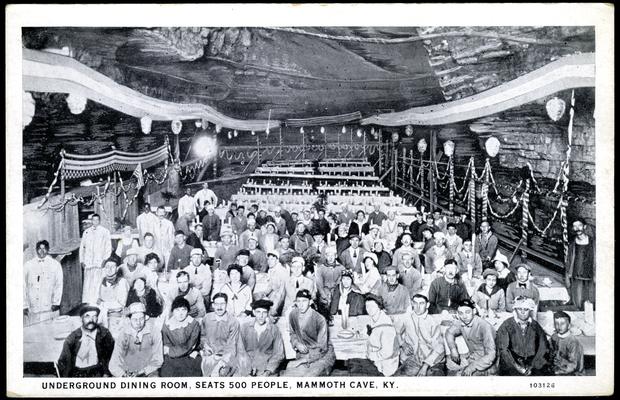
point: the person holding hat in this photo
(566, 351)
(138, 350)
(396, 297)
(262, 342)
(113, 292)
(522, 343)
(347, 298)
(181, 340)
(200, 275)
(368, 279)
(296, 282)
(86, 352)
(504, 275)
(180, 253)
(130, 269)
(309, 338)
(258, 259)
(301, 240)
(382, 351)
(269, 241)
(143, 294)
(479, 337)
(353, 257)
(251, 231)
(220, 340)
(435, 257)
(422, 350)
(522, 287)
(446, 291)
(489, 298)
(226, 251)
(238, 294)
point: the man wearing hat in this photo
(249, 275)
(87, 350)
(352, 257)
(382, 351)
(346, 297)
(258, 259)
(396, 297)
(180, 253)
(422, 350)
(262, 342)
(131, 268)
(479, 337)
(138, 351)
(250, 231)
(489, 297)
(368, 279)
(301, 240)
(580, 269)
(368, 243)
(446, 291)
(211, 225)
(522, 343)
(309, 338)
(522, 287)
(296, 282)
(226, 251)
(200, 275)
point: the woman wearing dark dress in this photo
(181, 339)
(141, 293)
(504, 275)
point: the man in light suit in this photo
(352, 257)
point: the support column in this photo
(431, 175)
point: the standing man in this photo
(486, 245)
(43, 282)
(96, 246)
(87, 350)
(580, 275)
(164, 233)
(205, 196)
(147, 221)
(211, 225)
(187, 204)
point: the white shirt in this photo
(146, 223)
(205, 195)
(95, 247)
(260, 328)
(186, 204)
(43, 283)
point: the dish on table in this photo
(346, 334)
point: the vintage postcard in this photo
(310, 200)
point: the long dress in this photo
(310, 329)
(181, 339)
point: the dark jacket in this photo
(355, 300)
(104, 343)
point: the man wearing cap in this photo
(226, 251)
(249, 275)
(183, 288)
(95, 247)
(368, 243)
(211, 225)
(467, 259)
(580, 270)
(479, 337)
(297, 282)
(258, 259)
(86, 352)
(382, 351)
(138, 350)
(250, 232)
(205, 196)
(309, 338)
(301, 240)
(180, 254)
(522, 343)
(262, 342)
(446, 291)
(376, 217)
(486, 243)
(147, 221)
(422, 350)
(43, 282)
(353, 256)
(131, 268)
(200, 275)
(410, 277)
(219, 337)
(396, 297)
(346, 297)
(489, 298)
(435, 257)
(522, 287)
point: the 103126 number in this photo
(542, 385)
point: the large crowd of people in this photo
(182, 312)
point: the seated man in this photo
(226, 252)
(249, 275)
(395, 297)
(297, 282)
(327, 277)
(180, 253)
(262, 342)
(382, 349)
(138, 351)
(258, 259)
(406, 248)
(522, 287)
(131, 268)
(308, 329)
(200, 275)
(422, 350)
(87, 350)
(191, 294)
(522, 343)
(446, 291)
(566, 350)
(219, 337)
(410, 277)
(346, 297)
(480, 340)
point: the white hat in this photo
(196, 251)
(132, 252)
(299, 260)
(525, 302)
(501, 258)
(371, 255)
(274, 253)
(439, 235)
(374, 226)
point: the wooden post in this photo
(395, 166)
(303, 145)
(364, 144)
(258, 149)
(62, 190)
(431, 175)
(380, 149)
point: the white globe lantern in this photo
(253, 133)
(344, 130)
(448, 148)
(395, 137)
(301, 130)
(76, 103)
(28, 108)
(176, 126)
(322, 130)
(492, 146)
(198, 124)
(422, 145)
(409, 130)
(218, 128)
(555, 108)
(359, 133)
(145, 123)
(235, 133)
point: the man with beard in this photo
(87, 351)
(580, 275)
(191, 294)
(262, 342)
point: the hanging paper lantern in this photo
(76, 103)
(372, 131)
(198, 124)
(301, 130)
(555, 108)
(176, 126)
(204, 123)
(267, 131)
(322, 130)
(28, 108)
(492, 146)
(395, 137)
(218, 128)
(448, 148)
(253, 133)
(230, 135)
(145, 123)
(235, 133)
(344, 129)
(422, 145)
(409, 130)
(359, 133)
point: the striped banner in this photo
(451, 169)
(472, 200)
(525, 210)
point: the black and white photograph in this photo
(304, 207)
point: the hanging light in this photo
(359, 133)
(409, 130)
(253, 133)
(205, 123)
(176, 126)
(218, 128)
(235, 133)
(395, 137)
(230, 135)
(492, 146)
(555, 108)
(198, 124)
(372, 131)
(28, 108)
(146, 123)
(301, 130)
(344, 130)
(76, 103)
(422, 145)
(448, 148)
